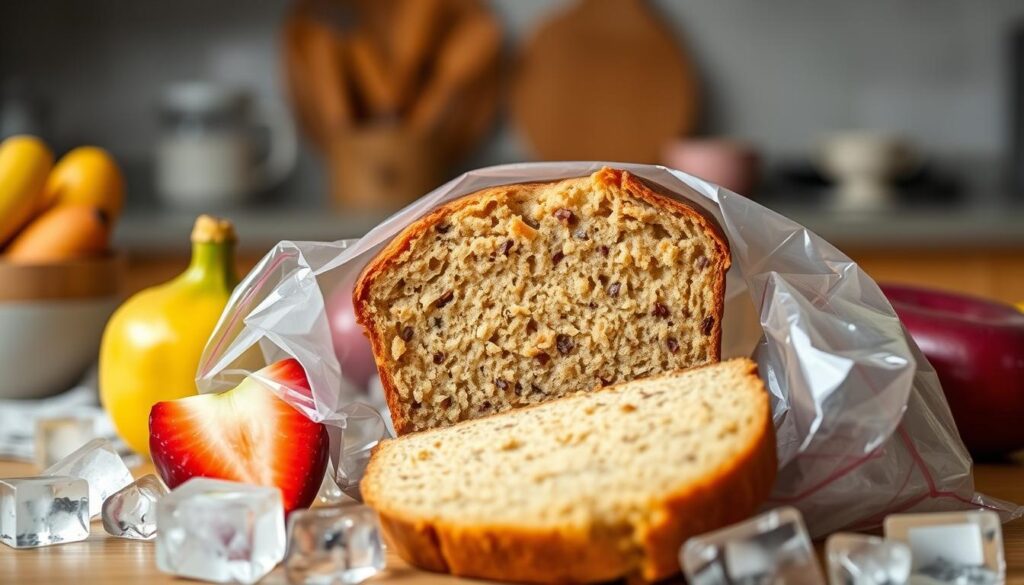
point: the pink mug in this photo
(729, 163)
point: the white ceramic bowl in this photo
(863, 164)
(51, 321)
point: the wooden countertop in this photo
(104, 560)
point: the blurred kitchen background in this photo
(892, 128)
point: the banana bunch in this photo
(51, 213)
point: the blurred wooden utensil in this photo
(418, 27)
(297, 72)
(329, 75)
(466, 53)
(472, 116)
(373, 77)
(317, 73)
(391, 91)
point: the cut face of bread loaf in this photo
(591, 487)
(522, 293)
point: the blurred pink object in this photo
(350, 344)
(729, 163)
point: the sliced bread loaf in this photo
(591, 487)
(522, 293)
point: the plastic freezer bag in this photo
(862, 426)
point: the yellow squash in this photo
(25, 162)
(151, 347)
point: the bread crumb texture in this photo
(519, 294)
(634, 468)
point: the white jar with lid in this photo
(208, 153)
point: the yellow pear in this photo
(152, 345)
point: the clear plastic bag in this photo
(863, 428)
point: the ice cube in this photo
(131, 512)
(772, 548)
(364, 429)
(952, 547)
(38, 511)
(337, 544)
(220, 531)
(57, 438)
(98, 463)
(859, 559)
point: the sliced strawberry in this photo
(246, 434)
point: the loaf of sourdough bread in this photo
(522, 293)
(591, 487)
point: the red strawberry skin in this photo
(246, 434)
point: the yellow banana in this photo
(25, 162)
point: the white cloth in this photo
(18, 417)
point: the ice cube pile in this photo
(57, 506)
(955, 548)
(333, 545)
(210, 529)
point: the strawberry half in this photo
(246, 434)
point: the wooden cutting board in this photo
(604, 80)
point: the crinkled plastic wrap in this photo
(862, 426)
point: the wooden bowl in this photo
(87, 278)
(51, 320)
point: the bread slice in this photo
(591, 487)
(518, 294)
